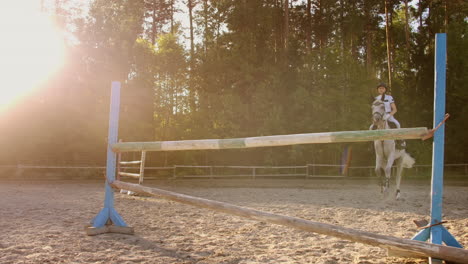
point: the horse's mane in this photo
(377, 102)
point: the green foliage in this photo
(243, 80)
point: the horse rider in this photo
(390, 110)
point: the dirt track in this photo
(42, 222)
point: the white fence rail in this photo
(189, 171)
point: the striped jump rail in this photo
(272, 141)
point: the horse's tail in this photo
(408, 161)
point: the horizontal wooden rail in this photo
(136, 162)
(243, 175)
(133, 175)
(410, 247)
(326, 176)
(271, 141)
(172, 167)
(51, 167)
(217, 176)
(242, 167)
(325, 165)
(159, 168)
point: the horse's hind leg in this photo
(378, 172)
(399, 165)
(381, 178)
(386, 179)
(388, 171)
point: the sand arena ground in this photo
(42, 222)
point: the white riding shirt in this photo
(388, 100)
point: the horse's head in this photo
(378, 111)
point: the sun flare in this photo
(31, 50)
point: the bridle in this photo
(377, 117)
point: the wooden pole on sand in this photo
(409, 247)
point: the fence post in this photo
(119, 159)
(142, 167)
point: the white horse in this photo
(386, 153)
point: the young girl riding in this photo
(390, 106)
(390, 109)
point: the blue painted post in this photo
(109, 212)
(438, 233)
(438, 144)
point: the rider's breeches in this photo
(394, 121)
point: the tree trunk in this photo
(320, 33)
(369, 66)
(172, 16)
(153, 23)
(192, 47)
(342, 29)
(407, 33)
(191, 87)
(205, 20)
(286, 26)
(278, 44)
(420, 15)
(387, 33)
(446, 16)
(308, 26)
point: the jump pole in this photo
(273, 141)
(410, 247)
(436, 232)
